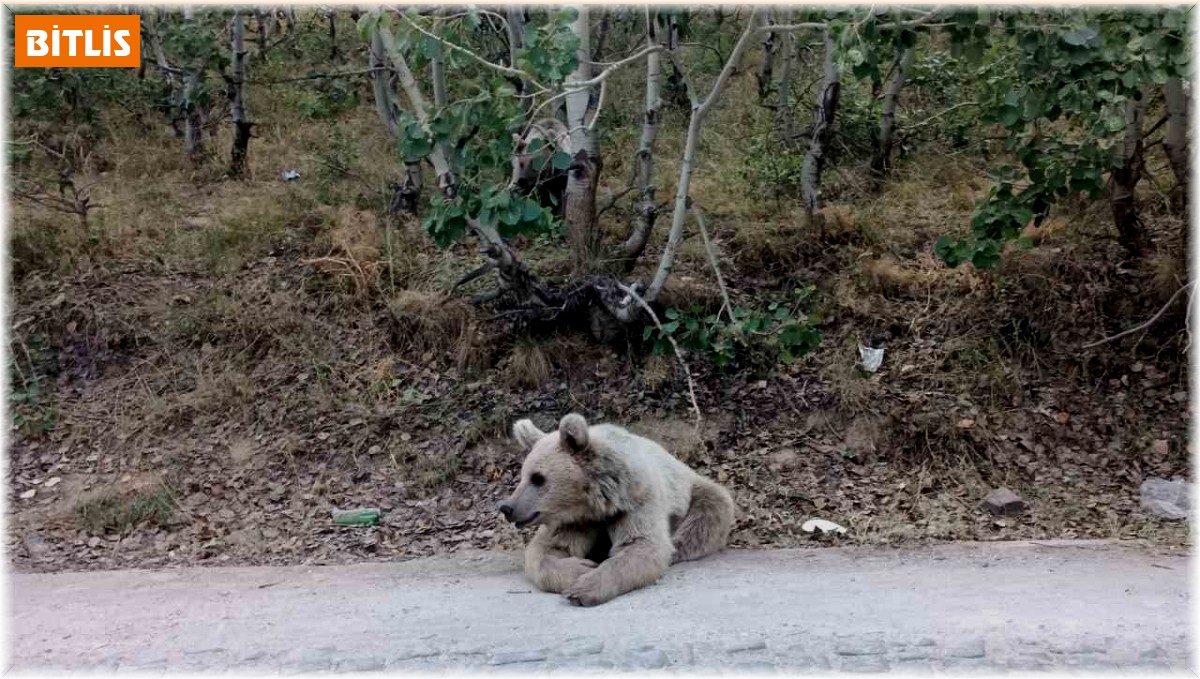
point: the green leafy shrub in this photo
(780, 333)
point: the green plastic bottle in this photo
(367, 516)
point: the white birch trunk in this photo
(784, 117)
(647, 211)
(827, 103)
(699, 111)
(882, 163)
(1123, 196)
(580, 209)
(407, 196)
(237, 102)
(516, 41)
(1175, 142)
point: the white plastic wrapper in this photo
(870, 359)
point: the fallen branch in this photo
(1142, 326)
(678, 353)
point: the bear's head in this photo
(556, 481)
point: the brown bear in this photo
(613, 510)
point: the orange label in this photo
(78, 40)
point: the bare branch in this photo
(506, 70)
(675, 236)
(712, 259)
(1142, 326)
(591, 127)
(678, 353)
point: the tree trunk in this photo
(767, 67)
(194, 117)
(602, 34)
(262, 24)
(699, 111)
(406, 195)
(1125, 179)
(881, 164)
(237, 100)
(516, 41)
(584, 174)
(437, 73)
(1175, 143)
(333, 46)
(784, 115)
(175, 115)
(289, 18)
(647, 210)
(827, 104)
(513, 275)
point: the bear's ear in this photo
(526, 433)
(574, 432)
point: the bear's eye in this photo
(537, 479)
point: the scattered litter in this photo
(822, 525)
(1166, 499)
(870, 358)
(290, 175)
(367, 516)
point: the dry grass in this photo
(115, 512)
(528, 365)
(657, 371)
(433, 325)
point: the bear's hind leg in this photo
(705, 528)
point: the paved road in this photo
(952, 608)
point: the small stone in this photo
(799, 658)
(1161, 446)
(35, 544)
(1004, 502)
(361, 664)
(585, 665)
(646, 658)
(94, 541)
(865, 664)
(914, 654)
(1165, 499)
(312, 660)
(1030, 663)
(28, 495)
(743, 646)
(973, 648)
(757, 666)
(862, 646)
(580, 647)
(52, 482)
(513, 657)
(970, 666)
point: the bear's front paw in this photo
(573, 568)
(586, 591)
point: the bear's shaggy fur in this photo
(613, 509)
